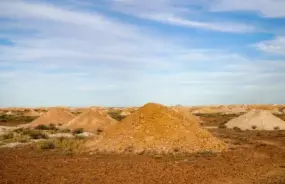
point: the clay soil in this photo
(256, 157)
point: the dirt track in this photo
(258, 158)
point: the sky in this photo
(130, 52)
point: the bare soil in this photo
(256, 157)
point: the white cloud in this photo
(214, 26)
(268, 8)
(71, 57)
(275, 46)
(175, 13)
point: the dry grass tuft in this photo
(67, 146)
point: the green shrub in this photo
(42, 127)
(46, 127)
(34, 134)
(78, 131)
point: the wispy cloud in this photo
(275, 46)
(74, 56)
(214, 26)
(175, 13)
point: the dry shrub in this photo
(42, 127)
(6, 136)
(65, 130)
(19, 130)
(34, 134)
(69, 145)
(22, 139)
(116, 115)
(253, 127)
(44, 145)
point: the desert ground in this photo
(47, 154)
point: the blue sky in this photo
(130, 52)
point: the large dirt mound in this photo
(185, 112)
(257, 119)
(156, 128)
(92, 120)
(56, 116)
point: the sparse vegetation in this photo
(44, 145)
(67, 146)
(15, 119)
(34, 134)
(116, 115)
(76, 113)
(65, 130)
(19, 130)
(42, 127)
(6, 136)
(14, 137)
(253, 127)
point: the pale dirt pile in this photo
(56, 116)
(9, 113)
(91, 120)
(258, 120)
(155, 128)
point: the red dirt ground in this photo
(258, 157)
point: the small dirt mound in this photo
(257, 120)
(91, 120)
(155, 128)
(56, 116)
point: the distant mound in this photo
(91, 120)
(156, 128)
(258, 120)
(56, 116)
(32, 113)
